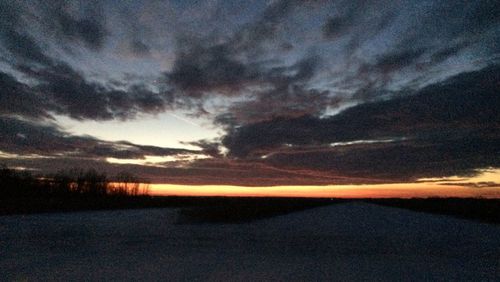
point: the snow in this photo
(353, 241)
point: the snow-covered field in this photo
(353, 241)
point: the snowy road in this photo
(354, 241)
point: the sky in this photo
(255, 93)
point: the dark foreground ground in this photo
(345, 241)
(232, 209)
(243, 209)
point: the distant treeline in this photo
(21, 183)
(484, 210)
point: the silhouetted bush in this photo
(125, 183)
(71, 182)
(78, 181)
(17, 183)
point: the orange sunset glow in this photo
(484, 187)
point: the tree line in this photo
(76, 181)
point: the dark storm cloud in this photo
(224, 68)
(87, 29)
(275, 90)
(285, 101)
(335, 27)
(139, 48)
(288, 87)
(202, 69)
(58, 87)
(229, 66)
(449, 21)
(23, 138)
(249, 39)
(375, 77)
(447, 127)
(395, 61)
(416, 38)
(16, 40)
(447, 52)
(213, 68)
(466, 101)
(399, 161)
(208, 147)
(24, 47)
(481, 15)
(360, 21)
(63, 90)
(454, 25)
(19, 99)
(18, 23)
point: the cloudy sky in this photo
(254, 93)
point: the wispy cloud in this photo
(413, 87)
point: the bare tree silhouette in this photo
(127, 184)
(71, 182)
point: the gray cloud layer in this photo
(445, 129)
(421, 81)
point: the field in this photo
(345, 240)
